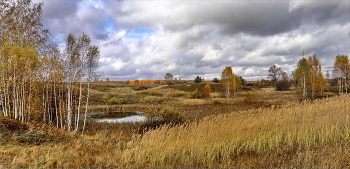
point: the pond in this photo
(133, 119)
(118, 117)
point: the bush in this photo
(194, 95)
(188, 95)
(216, 101)
(282, 85)
(249, 98)
(113, 100)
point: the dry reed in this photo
(217, 140)
(309, 134)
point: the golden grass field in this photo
(274, 132)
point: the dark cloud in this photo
(200, 38)
(59, 9)
(259, 18)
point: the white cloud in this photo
(200, 38)
(119, 65)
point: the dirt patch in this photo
(16, 132)
(11, 125)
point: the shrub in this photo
(207, 91)
(188, 95)
(282, 85)
(216, 101)
(249, 98)
(113, 100)
(195, 94)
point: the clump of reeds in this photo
(308, 134)
(219, 140)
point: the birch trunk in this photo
(304, 87)
(78, 115)
(56, 108)
(69, 107)
(86, 106)
(346, 85)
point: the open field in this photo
(168, 84)
(273, 130)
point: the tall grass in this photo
(309, 134)
(218, 140)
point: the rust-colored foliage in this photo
(207, 91)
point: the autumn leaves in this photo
(37, 80)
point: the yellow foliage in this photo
(308, 134)
(249, 98)
(113, 100)
(195, 94)
(207, 91)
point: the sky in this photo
(144, 39)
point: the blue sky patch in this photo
(138, 33)
(109, 23)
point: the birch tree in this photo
(328, 76)
(91, 63)
(21, 38)
(316, 76)
(37, 81)
(71, 73)
(227, 79)
(341, 71)
(207, 91)
(83, 48)
(21, 23)
(302, 75)
(17, 79)
(237, 84)
(55, 80)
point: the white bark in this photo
(86, 106)
(304, 84)
(69, 107)
(78, 114)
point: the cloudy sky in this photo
(141, 39)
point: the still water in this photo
(133, 118)
(119, 116)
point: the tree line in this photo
(39, 81)
(308, 76)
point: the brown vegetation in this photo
(44, 94)
(212, 133)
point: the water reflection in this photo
(133, 118)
